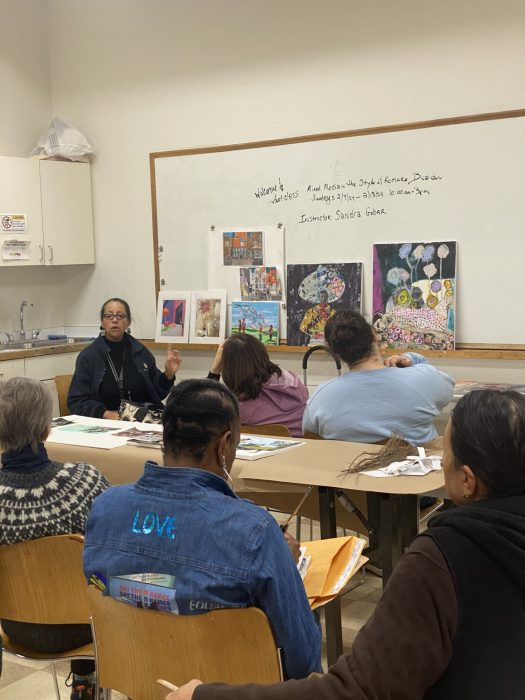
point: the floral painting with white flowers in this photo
(414, 295)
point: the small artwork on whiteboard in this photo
(173, 317)
(257, 318)
(260, 283)
(242, 248)
(414, 295)
(315, 293)
(208, 316)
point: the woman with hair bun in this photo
(451, 622)
(183, 519)
(375, 399)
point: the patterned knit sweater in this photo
(55, 500)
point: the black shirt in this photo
(134, 388)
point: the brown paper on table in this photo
(333, 563)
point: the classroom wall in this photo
(139, 76)
(25, 114)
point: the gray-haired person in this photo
(40, 498)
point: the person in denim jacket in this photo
(183, 519)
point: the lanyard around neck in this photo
(119, 378)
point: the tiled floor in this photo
(32, 680)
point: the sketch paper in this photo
(242, 247)
(414, 295)
(208, 316)
(257, 318)
(315, 293)
(173, 316)
(260, 284)
(85, 436)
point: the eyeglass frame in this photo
(108, 316)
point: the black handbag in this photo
(131, 410)
(141, 413)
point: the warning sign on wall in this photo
(13, 223)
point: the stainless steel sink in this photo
(40, 343)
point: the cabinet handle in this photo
(41, 259)
(50, 253)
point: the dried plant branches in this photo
(396, 449)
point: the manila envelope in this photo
(333, 562)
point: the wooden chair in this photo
(62, 383)
(275, 429)
(42, 581)
(134, 647)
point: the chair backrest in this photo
(134, 647)
(42, 581)
(312, 436)
(62, 383)
(267, 429)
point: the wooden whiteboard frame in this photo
(463, 350)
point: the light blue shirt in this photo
(370, 405)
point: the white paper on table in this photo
(104, 441)
(413, 466)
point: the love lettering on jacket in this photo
(154, 524)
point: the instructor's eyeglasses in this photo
(109, 317)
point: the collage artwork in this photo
(414, 295)
(413, 300)
(315, 293)
(260, 319)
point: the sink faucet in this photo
(22, 330)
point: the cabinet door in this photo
(20, 194)
(48, 366)
(67, 217)
(11, 368)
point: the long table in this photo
(390, 504)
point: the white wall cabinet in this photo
(20, 194)
(55, 197)
(67, 217)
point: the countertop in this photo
(62, 349)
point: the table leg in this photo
(332, 611)
(409, 520)
(398, 525)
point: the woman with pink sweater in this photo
(266, 393)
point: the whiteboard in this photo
(337, 195)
